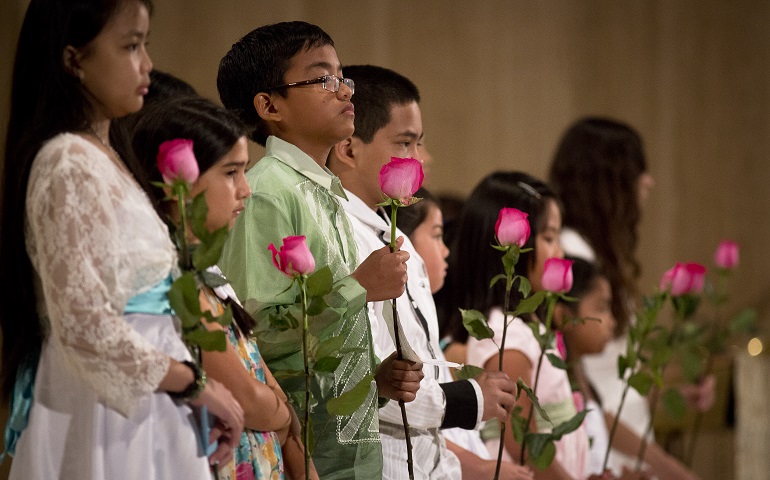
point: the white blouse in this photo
(95, 241)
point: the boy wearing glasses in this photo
(285, 81)
(389, 124)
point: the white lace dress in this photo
(95, 242)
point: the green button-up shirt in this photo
(293, 195)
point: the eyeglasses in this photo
(329, 82)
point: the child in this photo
(588, 336)
(219, 144)
(285, 82)
(600, 174)
(97, 264)
(388, 124)
(473, 263)
(423, 224)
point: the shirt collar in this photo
(300, 161)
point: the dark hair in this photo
(163, 87)
(472, 260)
(46, 100)
(258, 62)
(213, 130)
(595, 173)
(378, 89)
(410, 218)
(584, 276)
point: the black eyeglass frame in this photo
(322, 79)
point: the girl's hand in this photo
(227, 431)
(515, 471)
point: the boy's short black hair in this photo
(259, 61)
(377, 90)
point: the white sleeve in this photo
(71, 234)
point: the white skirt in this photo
(71, 435)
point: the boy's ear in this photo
(71, 61)
(344, 152)
(263, 104)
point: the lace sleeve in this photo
(73, 231)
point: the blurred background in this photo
(501, 80)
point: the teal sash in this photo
(153, 301)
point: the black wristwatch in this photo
(196, 386)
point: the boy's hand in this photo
(383, 274)
(499, 391)
(398, 379)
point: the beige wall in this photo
(501, 80)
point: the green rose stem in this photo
(409, 460)
(506, 302)
(302, 280)
(616, 421)
(678, 319)
(548, 320)
(181, 189)
(716, 328)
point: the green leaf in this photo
(207, 253)
(327, 364)
(320, 282)
(569, 426)
(206, 340)
(545, 459)
(468, 371)
(536, 442)
(674, 403)
(317, 306)
(530, 304)
(349, 401)
(533, 398)
(641, 382)
(330, 346)
(518, 423)
(744, 321)
(660, 356)
(556, 361)
(476, 324)
(310, 435)
(685, 305)
(692, 363)
(524, 286)
(496, 279)
(213, 280)
(184, 298)
(622, 366)
(197, 213)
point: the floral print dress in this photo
(259, 454)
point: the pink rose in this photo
(176, 161)
(684, 278)
(726, 256)
(557, 275)
(561, 347)
(400, 178)
(294, 257)
(512, 227)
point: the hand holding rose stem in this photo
(295, 260)
(399, 180)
